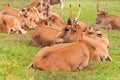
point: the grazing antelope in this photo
(106, 20)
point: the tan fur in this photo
(11, 23)
(96, 32)
(14, 12)
(64, 57)
(83, 25)
(97, 45)
(10, 10)
(44, 36)
(28, 20)
(108, 21)
(47, 3)
(56, 21)
(3, 28)
(33, 4)
(71, 33)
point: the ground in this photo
(17, 52)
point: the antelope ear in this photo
(75, 29)
(99, 34)
(4, 22)
(85, 29)
(105, 13)
(8, 4)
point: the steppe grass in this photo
(17, 52)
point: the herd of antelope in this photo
(68, 46)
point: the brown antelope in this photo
(106, 20)
(55, 20)
(31, 17)
(93, 38)
(7, 9)
(45, 34)
(62, 57)
(26, 19)
(10, 24)
(70, 56)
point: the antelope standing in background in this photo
(43, 3)
(61, 2)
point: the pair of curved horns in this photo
(98, 8)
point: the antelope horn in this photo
(76, 19)
(105, 6)
(70, 13)
(109, 58)
(98, 9)
(69, 22)
(41, 4)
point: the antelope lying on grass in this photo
(27, 19)
(71, 56)
(7, 9)
(93, 38)
(65, 57)
(45, 35)
(31, 17)
(105, 20)
(10, 24)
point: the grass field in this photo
(16, 51)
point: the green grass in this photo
(16, 51)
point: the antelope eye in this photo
(43, 4)
(23, 10)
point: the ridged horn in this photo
(76, 19)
